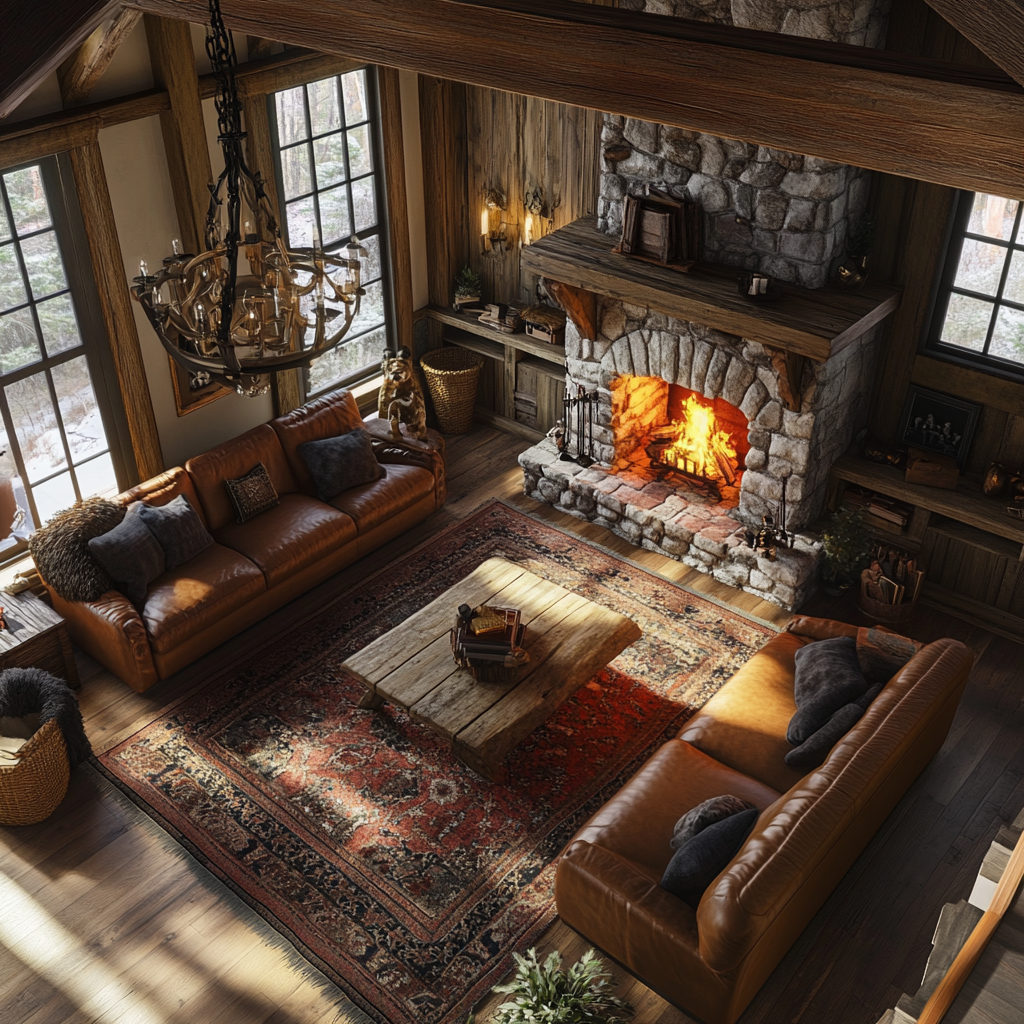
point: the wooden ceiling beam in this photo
(953, 132)
(996, 27)
(34, 42)
(84, 68)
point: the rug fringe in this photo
(347, 1011)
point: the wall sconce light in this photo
(533, 203)
(494, 228)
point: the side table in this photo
(36, 637)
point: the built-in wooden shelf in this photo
(815, 323)
(520, 342)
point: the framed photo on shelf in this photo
(938, 423)
(191, 392)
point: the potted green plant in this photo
(467, 287)
(542, 993)
(847, 549)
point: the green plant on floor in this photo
(467, 284)
(847, 545)
(542, 993)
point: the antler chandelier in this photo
(239, 328)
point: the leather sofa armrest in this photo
(428, 454)
(819, 629)
(111, 631)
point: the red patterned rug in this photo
(403, 876)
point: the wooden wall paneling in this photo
(84, 68)
(1011, 447)
(974, 385)
(988, 437)
(116, 306)
(899, 114)
(393, 148)
(184, 132)
(996, 27)
(919, 258)
(286, 386)
(445, 174)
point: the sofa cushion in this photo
(177, 528)
(197, 594)
(339, 463)
(328, 416)
(163, 489)
(130, 555)
(815, 748)
(703, 857)
(827, 676)
(704, 814)
(251, 493)
(233, 459)
(744, 724)
(289, 537)
(374, 503)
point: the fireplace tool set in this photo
(771, 535)
(578, 418)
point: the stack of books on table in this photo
(489, 638)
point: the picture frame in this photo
(936, 422)
(190, 394)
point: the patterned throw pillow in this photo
(882, 654)
(339, 463)
(251, 494)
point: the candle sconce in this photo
(537, 222)
(495, 230)
(578, 420)
(772, 534)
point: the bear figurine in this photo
(401, 398)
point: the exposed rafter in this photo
(908, 116)
(33, 43)
(84, 68)
(996, 27)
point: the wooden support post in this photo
(116, 306)
(508, 391)
(790, 368)
(188, 158)
(397, 202)
(84, 68)
(580, 306)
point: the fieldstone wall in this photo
(779, 213)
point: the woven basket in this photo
(452, 376)
(32, 789)
(883, 612)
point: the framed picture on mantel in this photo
(939, 423)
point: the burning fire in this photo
(699, 446)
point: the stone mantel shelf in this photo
(814, 323)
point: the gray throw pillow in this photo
(130, 555)
(178, 530)
(815, 748)
(827, 678)
(338, 463)
(699, 861)
(714, 809)
(252, 493)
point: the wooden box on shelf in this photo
(932, 469)
(662, 229)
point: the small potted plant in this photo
(847, 549)
(543, 992)
(467, 288)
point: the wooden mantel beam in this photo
(953, 130)
(996, 27)
(84, 68)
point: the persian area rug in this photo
(393, 868)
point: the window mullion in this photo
(63, 433)
(19, 461)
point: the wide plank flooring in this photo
(103, 918)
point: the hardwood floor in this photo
(103, 918)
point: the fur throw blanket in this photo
(61, 549)
(31, 691)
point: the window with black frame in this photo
(327, 147)
(979, 309)
(55, 418)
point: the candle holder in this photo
(578, 417)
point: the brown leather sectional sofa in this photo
(712, 960)
(255, 567)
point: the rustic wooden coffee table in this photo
(568, 637)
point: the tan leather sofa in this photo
(256, 567)
(711, 961)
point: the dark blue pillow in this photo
(178, 530)
(828, 677)
(814, 749)
(130, 554)
(700, 860)
(338, 463)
